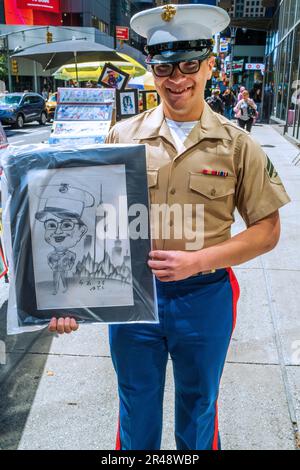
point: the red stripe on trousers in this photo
(118, 441)
(235, 294)
(216, 434)
(235, 297)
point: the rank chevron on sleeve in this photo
(273, 174)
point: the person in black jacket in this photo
(215, 102)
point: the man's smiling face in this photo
(183, 94)
(63, 233)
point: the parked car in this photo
(51, 104)
(19, 108)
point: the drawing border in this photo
(134, 158)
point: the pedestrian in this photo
(256, 95)
(229, 102)
(45, 94)
(215, 101)
(245, 111)
(240, 95)
(199, 158)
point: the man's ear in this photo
(211, 63)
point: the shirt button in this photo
(213, 192)
(173, 191)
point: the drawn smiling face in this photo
(63, 233)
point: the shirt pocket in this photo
(216, 193)
(217, 196)
(211, 187)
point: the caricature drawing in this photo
(62, 217)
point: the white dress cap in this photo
(172, 23)
(63, 200)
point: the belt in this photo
(204, 273)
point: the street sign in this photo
(238, 66)
(224, 44)
(122, 33)
(253, 67)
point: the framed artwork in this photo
(80, 128)
(73, 248)
(71, 141)
(127, 103)
(113, 77)
(141, 101)
(85, 95)
(150, 99)
(102, 112)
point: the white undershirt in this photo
(180, 131)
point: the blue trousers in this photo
(197, 317)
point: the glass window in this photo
(279, 80)
(292, 16)
(287, 54)
(280, 17)
(286, 12)
(293, 117)
(10, 99)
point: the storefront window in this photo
(292, 16)
(282, 100)
(293, 118)
(287, 55)
(286, 14)
(279, 80)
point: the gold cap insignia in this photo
(168, 13)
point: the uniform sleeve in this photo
(113, 136)
(259, 191)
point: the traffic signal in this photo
(49, 37)
(14, 67)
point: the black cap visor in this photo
(179, 51)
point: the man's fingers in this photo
(161, 273)
(159, 255)
(67, 325)
(74, 325)
(61, 326)
(52, 325)
(158, 264)
(165, 278)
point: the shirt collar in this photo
(208, 127)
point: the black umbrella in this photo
(55, 54)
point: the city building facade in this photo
(282, 79)
(27, 23)
(250, 20)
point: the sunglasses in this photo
(166, 70)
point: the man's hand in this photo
(173, 265)
(63, 325)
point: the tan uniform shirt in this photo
(245, 177)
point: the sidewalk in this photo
(60, 393)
